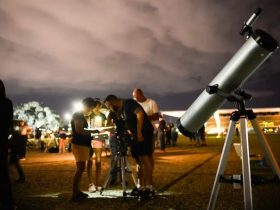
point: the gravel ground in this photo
(183, 179)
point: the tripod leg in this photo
(123, 175)
(246, 170)
(128, 169)
(109, 176)
(267, 150)
(221, 166)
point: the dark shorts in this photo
(142, 148)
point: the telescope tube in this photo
(254, 52)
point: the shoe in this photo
(92, 188)
(135, 192)
(80, 196)
(146, 195)
(98, 188)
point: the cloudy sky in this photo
(56, 51)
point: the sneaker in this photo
(146, 195)
(92, 188)
(135, 192)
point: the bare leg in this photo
(80, 167)
(147, 169)
(89, 171)
(152, 162)
(98, 152)
(98, 173)
(141, 180)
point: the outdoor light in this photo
(77, 106)
(67, 116)
(97, 121)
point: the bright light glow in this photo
(97, 121)
(67, 116)
(77, 106)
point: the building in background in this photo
(267, 118)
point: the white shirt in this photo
(149, 106)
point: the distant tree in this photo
(37, 116)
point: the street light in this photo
(77, 106)
(67, 116)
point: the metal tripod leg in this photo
(221, 166)
(109, 175)
(267, 150)
(128, 170)
(246, 170)
(123, 175)
(125, 168)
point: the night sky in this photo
(57, 51)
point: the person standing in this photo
(62, 138)
(113, 146)
(174, 134)
(6, 123)
(97, 120)
(23, 132)
(168, 134)
(161, 133)
(202, 135)
(81, 144)
(16, 151)
(138, 125)
(152, 110)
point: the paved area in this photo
(183, 178)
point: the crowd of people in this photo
(90, 127)
(139, 115)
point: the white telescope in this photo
(255, 51)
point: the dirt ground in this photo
(183, 178)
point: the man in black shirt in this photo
(6, 122)
(138, 125)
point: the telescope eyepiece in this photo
(258, 11)
(247, 27)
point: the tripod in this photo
(120, 159)
(242, 114)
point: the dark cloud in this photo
(171, 49)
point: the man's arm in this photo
(140, 121)
(154, 117)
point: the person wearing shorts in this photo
(81, 144)
(97, 121)
(141, 129)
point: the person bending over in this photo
(139, 126)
